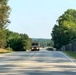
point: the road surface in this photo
(37, 63)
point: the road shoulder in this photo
(73, 59)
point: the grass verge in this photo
(2, 51)
(70, 53)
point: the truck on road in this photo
(35, 46)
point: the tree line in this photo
(18, 42)
(10, 39)
(65, 30)
(43, 42)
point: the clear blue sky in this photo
(37, 17)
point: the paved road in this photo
(36, 63)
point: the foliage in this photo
(4, 21)
(8, 39)
(44, 42)
(65, 31)
(2, 38)
(4, 13)
(16, 41)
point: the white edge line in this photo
(68, 57)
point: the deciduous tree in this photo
(65, 31)
(4, 21)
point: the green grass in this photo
(70, 53)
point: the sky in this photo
(36, 18)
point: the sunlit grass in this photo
(72, 54)
(4, 51)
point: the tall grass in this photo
(4, 51)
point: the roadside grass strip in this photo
(69, 56)
(4, 51)
(70, 53)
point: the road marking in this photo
(68, 57)
(33, 54)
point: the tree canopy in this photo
(65, 30)
(4, 21)
(4, 13)
(16, 41)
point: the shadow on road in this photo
(37, 63)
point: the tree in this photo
(18, 42)
(4, 21)
(2, 38)
(65, 31)
(4, 13)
